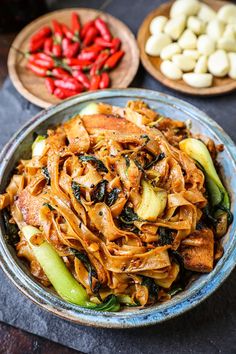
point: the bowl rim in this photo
(137, 318)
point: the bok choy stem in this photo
(60, 277)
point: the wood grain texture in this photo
(152, 64)
(33, 88)
(16, 341)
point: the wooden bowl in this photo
(33, 88)
(152, 64)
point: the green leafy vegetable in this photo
(165, 236)
(219, 198)
(140, 167)
(111, 304)
(128, 216)
(156, 159)
(48, 205)
(91, 271)
(12, 230)
(99, 164)
(146, 137)
(175, 290)
(112, 196)
(99, 192)
(153, 288)
(61, 278)
(76, 190)
(46, 174)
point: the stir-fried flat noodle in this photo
(86, 193)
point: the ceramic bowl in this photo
(20, 146)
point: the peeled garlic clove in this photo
(193, 53)
(170, 70)
(227, 13)
(226, 44)
(169, 51)
(232, 64)
(175, 27)
(229, 33)
(215, 29)
(201, 66)
(218, 63)
(184, 62)
(195, 25)
(205, 45)
(198, 80)
(188, 40)
(206, 14)
(231, 27)
(156, 43)
(184, 7)
(157, 24)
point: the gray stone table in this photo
(208, 328)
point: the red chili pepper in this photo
(65, 45)
(81, 77)
(98, 64)
(60, 73)
(116, 43)
(42, 63)
(64, 93)
(47, 47)
(101, 41)
(57, 30)
(105, 81)
(42, 33)
(42, 59)
(75, 61)
(57, 50)
(91, 56)
(94, 84)
(85, 28)
(68, 33)
(75, 23)
(90, 35)
(93, 48)
(42, 56)
(36, 45)
(38, 70)
(70, 84)
(103, 29)
(113, 60)
(72, 50)
(49, 82)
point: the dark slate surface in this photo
(209, 328)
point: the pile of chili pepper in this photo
(74, 59)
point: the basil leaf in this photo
(76, 190)
(99, 164)
(99, 192)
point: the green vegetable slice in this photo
(38, 145)
(60, 277)
(91, 108)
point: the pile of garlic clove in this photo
(195, 43)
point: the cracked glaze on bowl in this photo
(20, 146)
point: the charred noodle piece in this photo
(60, 277)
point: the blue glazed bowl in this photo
(203, 286)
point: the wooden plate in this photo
(152, 64)
(33, 88)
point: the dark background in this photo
(209, 328)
